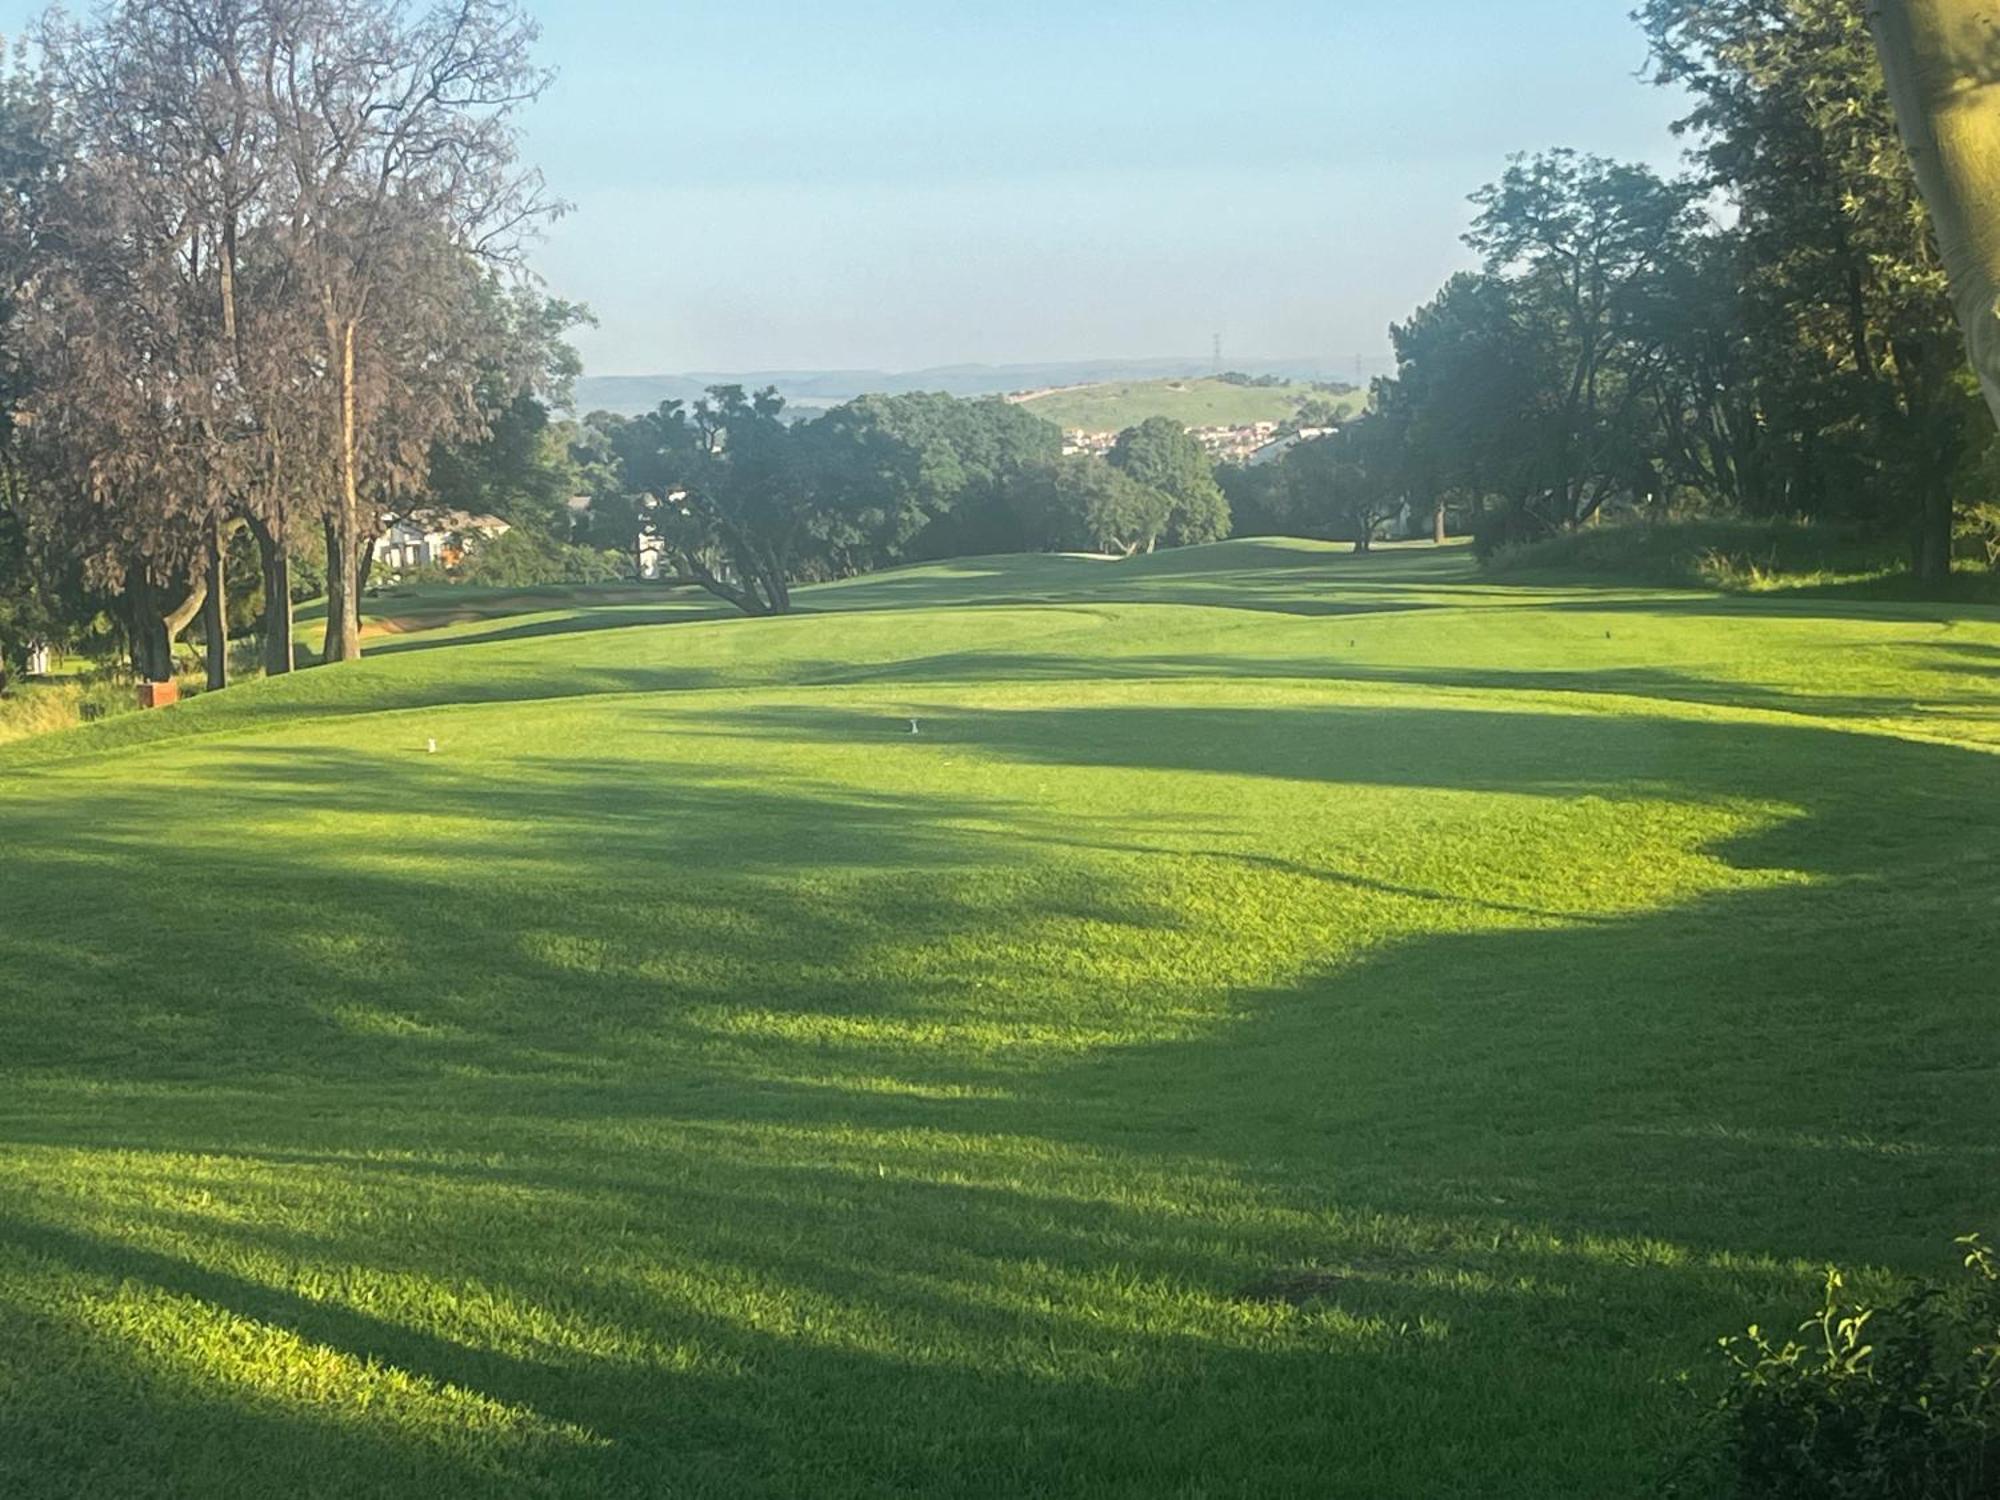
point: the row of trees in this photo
(747, 503)
(1770, 333)
(258, 270)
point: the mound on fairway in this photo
(1283, 1023)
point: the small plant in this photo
(1896, 1402)
(1978, 533)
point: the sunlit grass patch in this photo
(1277, 1017)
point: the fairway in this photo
(1282, 1024)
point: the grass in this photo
(79, 693)
(1116, 406)
(1286, 1024)
(1733, 555)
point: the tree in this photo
(1471, 386)
(1347, 485)
(725, 487)
(396, 159)
(271, 286)
(1086, 504)
(1941, 59)
(1860, 361)
(1159, 453)
(948, 481)
(1581, 243)
(519, 465)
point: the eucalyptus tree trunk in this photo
(343, 522)
(1942, 62)
(215, 610)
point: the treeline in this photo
(258, 271)
(746, 503)
(1768, 335)
(260, 295)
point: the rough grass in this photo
(1731, 555)
(1285, 1024)
(1118, 405)
(38, 706)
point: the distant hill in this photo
(630, 395)
(1114, 406)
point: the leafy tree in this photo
(1860, 358)
(1258, 504)
(1349, 484)
(1581, 243)
(1159, 453)
(1084, 503)
(519, 467)
(726, 487)
(949, 492)
(528, 559)
(1471, 387)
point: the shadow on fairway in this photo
(753, 1134)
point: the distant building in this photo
(434, 538)
(1095, 444)
(1276, 449)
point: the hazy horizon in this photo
(873, 187)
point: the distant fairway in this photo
(1118, 405)
(1284, 1024)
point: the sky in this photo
(898, 184)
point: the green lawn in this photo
(1286, 1024)
(1193, 403)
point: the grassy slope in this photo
(1286, 1024)
(1193, 403)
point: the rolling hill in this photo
(1118, 405)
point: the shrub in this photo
(1711, 554)
(1978, 534)
(1896, 1402)
(521, 559)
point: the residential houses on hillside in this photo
(1252, 443)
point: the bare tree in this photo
(397, 138)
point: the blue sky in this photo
(835, 183)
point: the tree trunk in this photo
(1942, 62)
(1439, 528)
(182, 615)
(146, 628)
(215, 613)
(1931, 552)
(339, 592)
(343, 527)
(277, 565)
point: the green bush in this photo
(1712, 554)
(1897, 1402)
(521, 559)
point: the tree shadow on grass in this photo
(782, 1135)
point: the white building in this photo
(433, 538)
(1273, 451)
